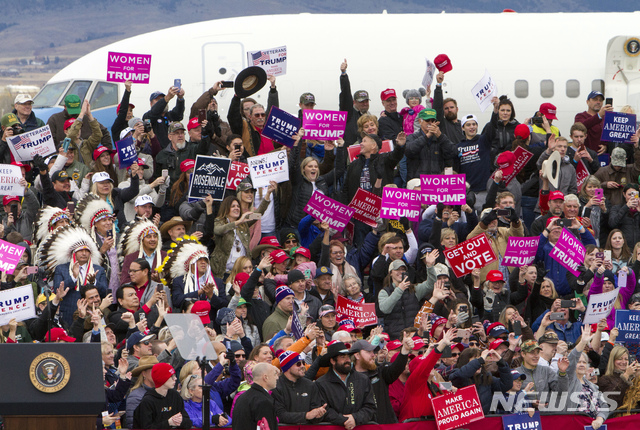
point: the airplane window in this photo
(597, 85)
(573, 88)
(222, 71)
(78, 88)
(546, 88)
(522, 89)
(49, 95)
(105, 94)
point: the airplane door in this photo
(622, 72)
(222, 61)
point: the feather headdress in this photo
(184, 254)
(90, 210)
(46, 219)
(131, 240)
(60, 248)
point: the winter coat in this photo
(463, 377)
(386, 161)
(624, 294)
(628, 221)
(390, 125)
(294, 399)
(356, 397)
(401, 307)
(428, 156)
(409, 116)
(381, 378)
(160, 120)
(251, 407)
(452, 129)
(56, 124)
(503, 135)
(155, 410)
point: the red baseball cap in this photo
(548, 110)
(303, 251)
(56, 334)
(131, 105)
(393, 345)
(496, 343)
(443, 63)
(8, 199)
(187, 164)
(241, 278)
(457, 345)
(202, 309)
(522, 131)
(505, 162)
(417, 343)
(495, 276)
(556, 195)
(387, 94)
(68, 123)
(193, 123)
(278, 256)
(99, 151)
(27, 168)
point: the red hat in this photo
(303, 251)
(435, 324)
(241, 278)
(522, 131)
(393, 345)
(8, 199)
(417, 343)
(193, 123)
(278, 256)
(202, 309)
(457, 345)
(57, 334)
(551, 220)
(187, 164)
(495, 276)
(387, 94)
(99, 150)
(443, 63)
(68, 123)
(27, 168)
(496, 343)
(161, 372)
(548, 110)
(556, 195)
(505, 162)
(131, 105)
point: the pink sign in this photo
(521, 251)
(328, 210)
(123, 67)
(569, 251)
(10, 256)
(324, 124)
(354, 150)
(366, 206)
(400, 202)
(447, 189)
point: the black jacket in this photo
(160, 119)
(628, 222)
(428, 156)
(58, 199)
(353, 115)
(154, 411)
(390, 125)
(294, 399)
(238, 124)
(381, 378)
(355, 398)
(452, 129)
(122, 195)
(503, 135)
(303, 189)
(259, 309)
(120, 123)
(387, 161)
(251, 407)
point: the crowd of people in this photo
(118, 249)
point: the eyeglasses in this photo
(146, 342)
(473, 344)
(337, 253)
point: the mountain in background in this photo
(42, 36)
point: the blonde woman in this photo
(619, 374)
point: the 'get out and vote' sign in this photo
(446, 189)
(123, 67)
(474, 253)
(618, 127)
(568, 251)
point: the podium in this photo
(51, 385)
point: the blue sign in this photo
(604, 159)
(602, 427)
(281, 126)
(628, 325)
(209, 177)
(296, 326)
(618, 127)
(127, 153)
(522, 421)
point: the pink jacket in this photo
(409, 118)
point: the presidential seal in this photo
(632, 47)
(49, 372)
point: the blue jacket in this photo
(557, 272)
(570, 333)
(463, 377)
(69, 304)
(195, 412)
(223, 388)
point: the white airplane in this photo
(533, 58)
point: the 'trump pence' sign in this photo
(17, 303)
(324, 124)
(273, 166)
(447, 189)
(128, 67)
(328, 210)
(569, 251)
(474, 253)
(600, 306)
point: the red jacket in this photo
(594, 129)
(416, 390)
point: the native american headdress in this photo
(131, 240)
(90, 210)
(45, 220)
(61, 247)
(183, 255)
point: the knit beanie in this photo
(160, 373)
(283, 292)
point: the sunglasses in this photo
(146, 342)
(240, 355)
(455, 354)
(290, 241)
(299, 363)
(260, 115)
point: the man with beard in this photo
(297, 399)
(161, 117)
(178, 151)
(447, 111)
(347, 393)
(381, 376)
